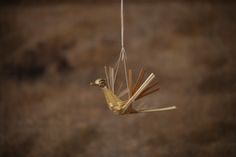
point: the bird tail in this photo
(158, 109)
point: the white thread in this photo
(122, 23)
(123, 52)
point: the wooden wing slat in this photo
(139, 81)
(130, 80)
(147, 93)
(149, 90)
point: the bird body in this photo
(119, 106)
(114, 103)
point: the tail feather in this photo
(158, 109)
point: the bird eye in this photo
(101, 82)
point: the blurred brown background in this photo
(51, 50)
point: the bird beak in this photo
(92, 84)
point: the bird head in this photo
(99, 83)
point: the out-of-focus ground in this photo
(49, 54)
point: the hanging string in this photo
(122, 23)
(123, 52)
(123, 56)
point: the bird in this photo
(133, 92)
(122, 107)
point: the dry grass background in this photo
(49, 54)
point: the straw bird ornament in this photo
(133, 91)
